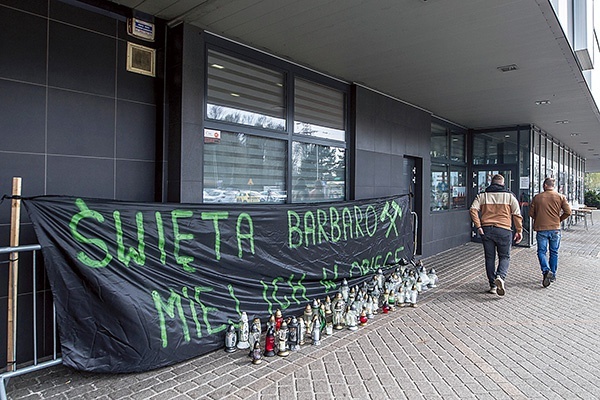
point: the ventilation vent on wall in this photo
(141, 59)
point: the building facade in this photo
(213, 120)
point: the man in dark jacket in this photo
(493, 213)
(548, 210)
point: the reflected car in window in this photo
(248, 196)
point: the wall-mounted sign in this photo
(140, 29)
(212, 136)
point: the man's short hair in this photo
(549, 182)
(498, 179)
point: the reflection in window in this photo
(448, 173)
(543, 157)
(553, 170)
(440, 185)
(552, 159)
(318, 110)
(241, 168)
(244, 93)
(495, 147)
(458, 187)
(318, 173)
(457, 146)
(439, 141)
(250, 164)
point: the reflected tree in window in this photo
(317, 172)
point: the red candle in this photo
(363, 318)
(270, 342)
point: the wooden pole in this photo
(13, 275)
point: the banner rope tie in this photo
(11, 198)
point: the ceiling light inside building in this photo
(218, 66)
(508, 68)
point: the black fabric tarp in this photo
(138, 286)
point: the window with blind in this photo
(318, 110)
(240, 168)
(244, 93)
(251, 153)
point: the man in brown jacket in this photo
(548, 210)
(493, 213)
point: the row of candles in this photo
(350, 308)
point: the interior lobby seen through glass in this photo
(495, 147)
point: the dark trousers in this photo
(496, 241)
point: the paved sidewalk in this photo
(459, 343)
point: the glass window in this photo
(267, 157)
(318, 110)
(555, 160)
(439, 141)
(543, 158)
(524, 153)
(244, 93)
(448, 173)
(458, 187)
(241, 168)
(318, 172)
(580, 180)
(457, 146)
(495, 147)
(440, 185)
(537, 181)
(570, 179)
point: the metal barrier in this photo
(37, 365)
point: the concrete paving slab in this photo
(459, 343)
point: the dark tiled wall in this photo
(386, 131)
(73, 121)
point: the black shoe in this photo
(553, 279)
(548, 276)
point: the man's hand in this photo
(518, 237)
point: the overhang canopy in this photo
(446, 57)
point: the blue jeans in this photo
(547, 239)
(496, 240)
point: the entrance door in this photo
(412, 178)
(482, 178)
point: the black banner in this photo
(138, 286)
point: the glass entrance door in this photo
(482, 178)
